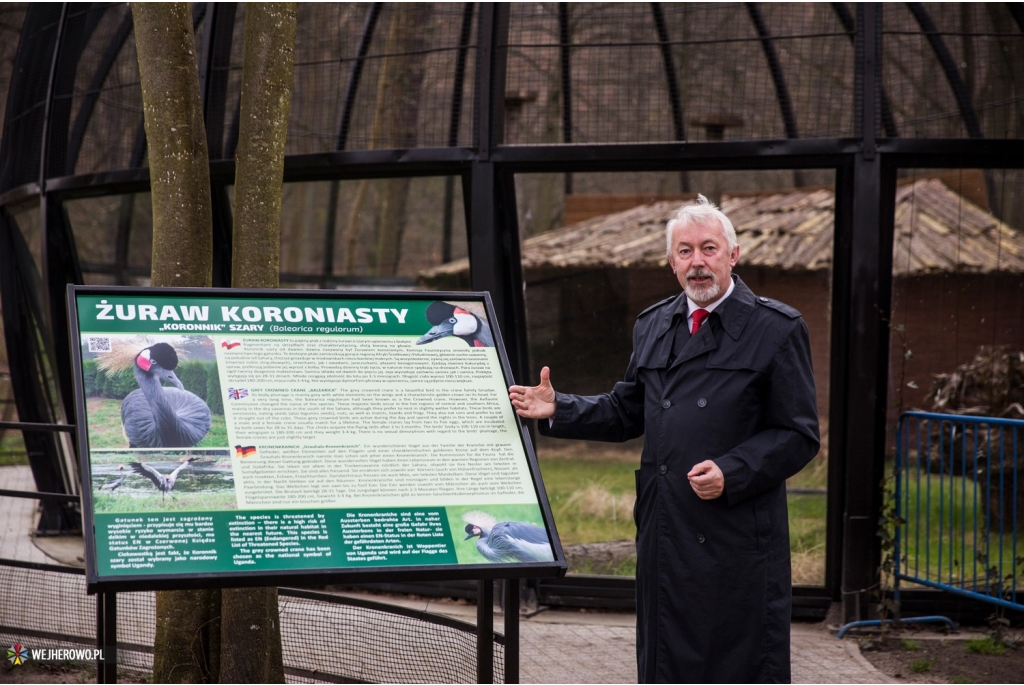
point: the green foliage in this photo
(218, 435)
(105, 429)
(89, 370)
(104, 502)
(909, 645)
(99, 384)
(986, 645)
(193, 375)
(920, 665)
(214, 396)
(118, 385)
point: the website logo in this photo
(17, 654)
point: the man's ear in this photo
(735, 256)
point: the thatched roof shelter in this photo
(937, 231)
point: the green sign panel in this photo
(228, 434)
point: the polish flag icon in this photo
(230, 344)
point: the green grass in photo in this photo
(106, 503)
(465, 550)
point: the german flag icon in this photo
(245, 451)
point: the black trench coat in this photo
(713, 577)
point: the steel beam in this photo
(864, 366)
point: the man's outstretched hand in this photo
(537, 402)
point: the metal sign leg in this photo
(106, 637)
(485, 632)
(511, 631)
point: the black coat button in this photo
(702, 403)
(666, 404)
(700, 539)
(663, 468)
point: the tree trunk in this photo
(250, 621)
(187, 634)
(259, 157)
(179, 164)
(214, 635)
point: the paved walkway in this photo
(591, 647)
(556, 646)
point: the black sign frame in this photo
(97, 582)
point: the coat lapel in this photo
(731, 315)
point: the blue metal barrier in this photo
(958, 502)
(959, 526)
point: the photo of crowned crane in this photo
(502, 533)
(152, 392)
(127, 481)
(454, 321)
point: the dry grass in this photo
(597, 502)
(809, 566)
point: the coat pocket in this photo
(636, 503)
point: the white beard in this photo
(704, 294)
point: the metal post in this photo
(485, 632)
(106, 637)
(511, 631)
(865, 364)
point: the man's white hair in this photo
(703, 212)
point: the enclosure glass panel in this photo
(594, 259)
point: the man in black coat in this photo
(720, 385)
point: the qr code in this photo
(99, 344)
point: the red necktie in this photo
(698, 318)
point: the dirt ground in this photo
(922, 656)
(64, 672)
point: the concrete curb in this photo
(853, 649)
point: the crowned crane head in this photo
(446, 319)
(478, 524)
(144, 356)
(159, 360)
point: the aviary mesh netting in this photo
(387, 75)
(324, 639)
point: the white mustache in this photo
(700, 273)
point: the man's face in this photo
(702, 261)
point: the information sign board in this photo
(234, 438)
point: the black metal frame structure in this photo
(865, 165)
